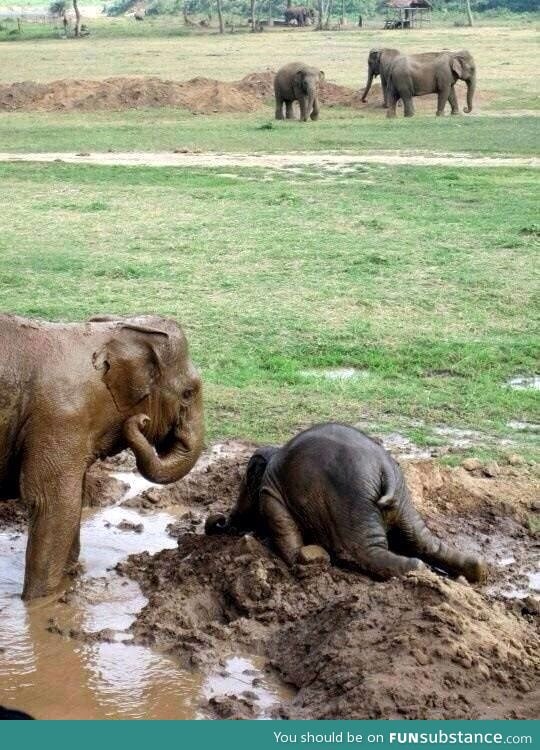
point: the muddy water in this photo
(55, 677)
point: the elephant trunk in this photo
(181, 454)
(368, 84)
(471, 87)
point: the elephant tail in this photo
(389, 486)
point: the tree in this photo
(252, 9)
(469, 12)
(220, 17)
(77, 18)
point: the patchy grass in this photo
(424, 278)
(338, 129)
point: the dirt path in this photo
(324, 160)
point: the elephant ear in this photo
(321, 75)
(456, 66)
(130, 363)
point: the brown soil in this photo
(198, 95)
(420, 647)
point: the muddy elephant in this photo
(297, 82)
(379, 63)
(300, 14)
(409, 78)
(334, 487)
(72, 393)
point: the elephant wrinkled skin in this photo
(72, 393)
(297, 82)
(335, 487)
(380, 62)
(409, 78)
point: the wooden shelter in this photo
(407, 14)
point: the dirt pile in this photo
(420, 647)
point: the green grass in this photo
(167, 129)
(423, 277)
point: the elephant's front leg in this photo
(414, 536)
(315, 111)
(452, 99)
(289, 110)
(384, 91)
(443, 96)
(283, 529)
(53, 492)
(279, 108)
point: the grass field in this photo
(423, 279)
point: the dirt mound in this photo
(420, 647)
(200, 95)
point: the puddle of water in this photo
(338, 373)
(524, 382)
(523, 426)
(135, 482)
(57, 677)
(395, 442)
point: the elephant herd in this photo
(402, 78)
(74, 393)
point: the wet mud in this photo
(220, 627)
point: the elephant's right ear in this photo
(130, 364)
(456, 66)
(321, 75)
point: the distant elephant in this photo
(72, 393)
(380, 62)
(409, 78)
(299, 13)
(335, 487)
(297, 82)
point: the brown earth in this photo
(419, 647)
(198, 95)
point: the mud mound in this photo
(13, 515)
(199, 95)
(100, 488)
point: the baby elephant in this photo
(297, 82)
(335, 487)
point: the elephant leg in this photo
(414, 536)
(279, 108)
(392, 100)
(369, 552)
(75, 547)
(304, 108)
(408, 106)
(284, 532)
(452, 99)
(289, 110)
(442, 97)
(55, 503)
(384, 91)
(315, 111)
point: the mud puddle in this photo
(73, 657)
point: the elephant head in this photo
(245, 515)
(145, 365)
(462, 66)
(374, 67)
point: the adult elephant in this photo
(72, 393)
(332, 489)
(297, 82)
(299, 13)
(379, 63)
(409, 78)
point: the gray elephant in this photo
(72, 393)
(409, 77)
(379, 63)
(334, 487)
(299, 14)
(297, 82)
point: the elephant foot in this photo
(455, 112)
(475, 570)
(215, 524)
(312, 553)
(314, 117)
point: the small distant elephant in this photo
(334, 487)
(379, 63)
(297, 82)
(410, 77)
(72, 393)
(299, 14)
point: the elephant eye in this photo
(187, 394)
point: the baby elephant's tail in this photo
(389, 486)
